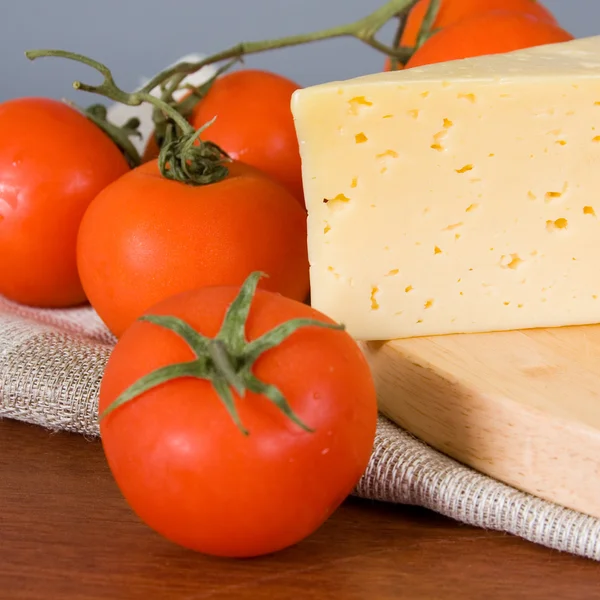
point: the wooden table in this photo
(66, 534)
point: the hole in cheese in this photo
(336, 203)
(387, 154)
(512, 261)
(469, 97)
(471, 207)
(374, 303)
(393, 273)
(561, 223)
(552, 195)
(453, 226)
(409, 288)
(437, 138)
(354, 182)
(589, 210)
(437, 250)
(464, 169)
(360, 138)
(357, 102)
(428, 304)
(414, 113)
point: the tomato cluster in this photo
(260, 414)
(234, 417)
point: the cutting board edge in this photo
(465, 425)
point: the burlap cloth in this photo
(51, 364)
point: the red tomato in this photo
(254, 124)
(145, 238)
(454, 11)
(490, 33)
(53, 162)
(190, 473)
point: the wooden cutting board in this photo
(520, 406)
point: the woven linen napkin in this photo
(51, 365)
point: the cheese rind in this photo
(457, 197)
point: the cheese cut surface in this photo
(457, 197)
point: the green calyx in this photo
(226, 360)
(188, 159)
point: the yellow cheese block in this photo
(457, 197)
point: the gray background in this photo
(140, 37)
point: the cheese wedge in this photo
(458, 197)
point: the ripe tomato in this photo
(491, 33)
(53, 162)
(254, 124)
(191, 474)
(453, 11)
(145, 238)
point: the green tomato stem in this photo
(226, 360)
(426, 30)
(109, 89)
(186, 159)
(364, 30)
(97, 113)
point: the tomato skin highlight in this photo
(146, 238)
(53, 162)
(187, 470)
(254, 124)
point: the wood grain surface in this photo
(66, 533)
(520, 406)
